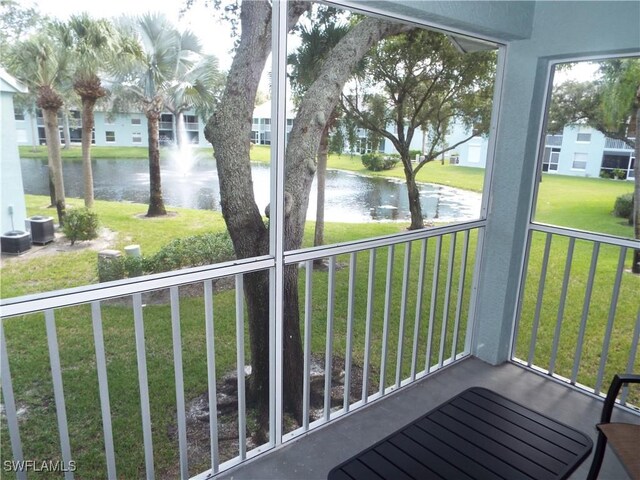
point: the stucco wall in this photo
(12, 193)
(499, 20)
(561, 30)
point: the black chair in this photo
(623, 438)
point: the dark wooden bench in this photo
(478, 434)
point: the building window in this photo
(553, 141)
(136, 121)
(109, 119)
(136, 137)
(584, 135)
(18, 114)
(551, 159)
(290, 121)
(110, 136)
(579, 161)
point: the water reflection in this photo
(349, 197)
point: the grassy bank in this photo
(75, 152)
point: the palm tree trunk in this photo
(34, 130)
(156, 202)
(66, 133)
(55, 161)
(87, 133)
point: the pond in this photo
(349, 198)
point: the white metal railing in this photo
(56, 301)
(420, 333)
(563, 329)
(423, 329)
(553, 140)
(617, 144)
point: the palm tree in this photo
(41, 63)
(197, 89)
(92, 43)
(163, 57)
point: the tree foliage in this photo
(17, 22)
(610, 103)
(93, 43)
(229, 130)
(317, 39)
(418, 80)
(42, 63)
(148, 70)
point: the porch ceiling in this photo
(312, 456)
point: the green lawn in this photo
(75, 152)
(567, 201)
(582, 203)
(467, 178)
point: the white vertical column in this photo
(103, 385)
(10, 405)
(144, 385)
(177, 369)
(276, 220)
(58, 391)
(211, 375)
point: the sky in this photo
(214, 35)
(580, 72)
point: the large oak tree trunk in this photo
(228, 131)
(323, 153)
(635, 268)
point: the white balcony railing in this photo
(579, 316)
(616, 144)
(385, 318)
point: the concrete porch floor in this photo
(312, 456)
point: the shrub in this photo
(111, 269)
(194, 251)
(81, 224)
(619, 174)
(376, 162)
(623, 207)
(413, 153)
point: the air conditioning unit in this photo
(41, 229)
(15, 241)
